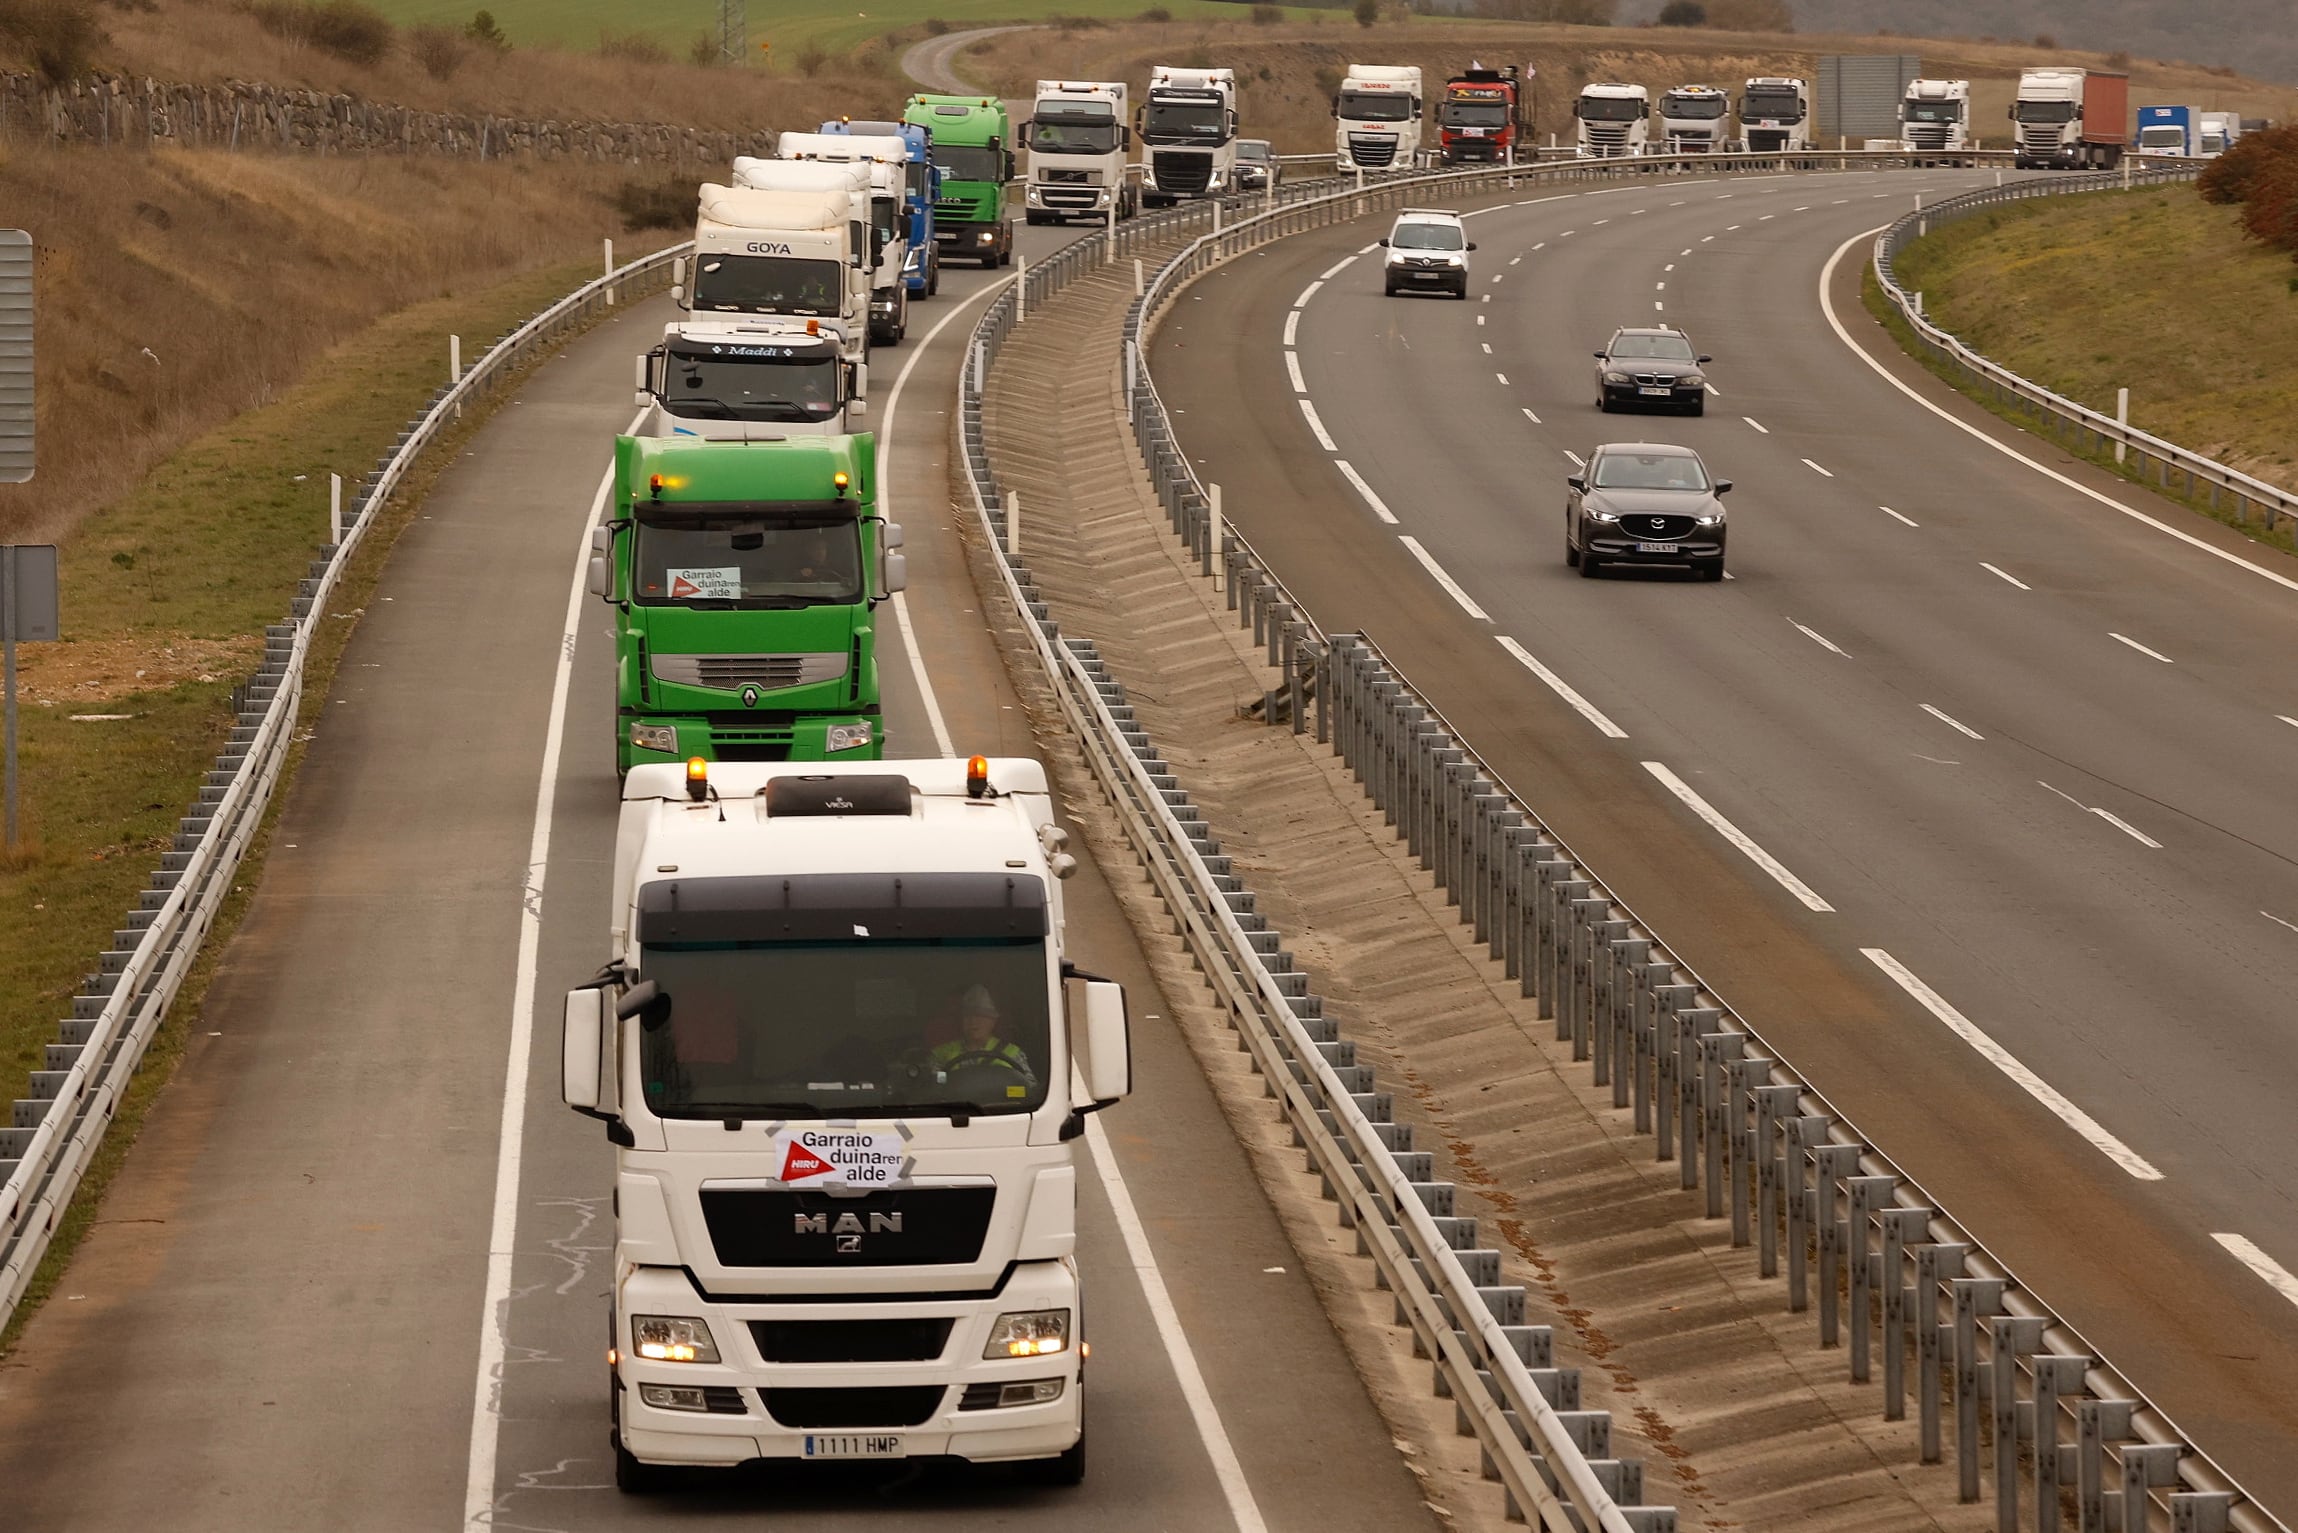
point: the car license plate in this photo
(1656, 548)
(1655, 388)
(855, 1445)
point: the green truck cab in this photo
(743, 577)
(973, 149)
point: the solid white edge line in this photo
(1379, 506)
(1308, 292)
(2277, 920)
(2125, 826)
(1562, 689)
(2002, 1059)
(1815, 468)
(2285, 718)
(2155, 654)
(1827, 304)
(1293, 369)
(2006, 575)
(1292, 327)
(2276, 1276)
(1337, 267)
(1317, 425)
(1950, 721)
(1451, 586)
(1818, 638)
(511, 1124)
(1737, 837)
(1910, 521)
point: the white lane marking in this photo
(1671, 266)
(1480, 322)
(1567, 234)
(1818, 638)
(1516, 261)
(2002, 1059)
(2276, 1276)
(1737, 837)
(1599, 223)
(2013, 579)
(1563, 689)
(1487, 345)
(1910, 521)
(1292, 327)
(1839, 202)
(1379, 506)
(1758, 425)
(1503, 377)
(1804, 209)
(1684, 252)
(2284, 717)
(1308, 292)
(1543, 245)
(2142, 649)
(1451, 586)
(1815, 468)
(1951, 722)
(1679, 202)
(1640, 212)
(1337, 268)
(1767, 218)
(1293, 367)
(2116, 820)
(1707, 239)
(1731, 228)
(1496, 276)
(1661, 287)
(1487, 298)
(1324, 437)
(1720, 196)
(1827, 303)
(1577, 460)
(1659, 307)
(2277, 920)
(1368, 249)
(1714, 392)
(511, 1123)
(1535, 420)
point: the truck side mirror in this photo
(1009, 164)
(1025, 133)
(861, 376)
(1124, 137)
(602, 540)
(678, 294)
(890, 535)
(894, 573)
(582, 1053)
(857, 415)
(645, 397)
(596, 581)
(1104, 1044)
(1472, 244)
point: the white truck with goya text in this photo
(785, 260)
(845, 1062)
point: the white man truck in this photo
(844, 1062)
(1775, 115)
(749, 382)
(1615, 120)
(1188, 132)
(1695, 119)
(887, 162)
(1077, 135)
(785, 260)
(1376, 118)
(1935, 118)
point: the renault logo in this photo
(749, 697)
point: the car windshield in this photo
(1473, 114)
(1656, 348)
(745, 381)
(1253, 149)
(1419, 236)
(1610, 109)
(1186, 120)
(1934, 111)
(846, 1029)
(1776, 106)
(737, 284)
(969, 162)
(1371, 106)
(746, 558)
(1067, 133)
(2045, 111)
(1692, 107)
(1648, 471)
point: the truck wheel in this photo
(1033, 216)
(633, 1478)
(1064, 1469)
(933, 271)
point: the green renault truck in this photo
(973, 149)
(743, 576)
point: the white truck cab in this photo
(1188, 133)
(719, 381)
(1775, 115)
(1077, 135)
(1935, 117)
(891, 258)
(1376, 118)
(1695, 119)
(844, 1061)
(1614, 120)
(1426, 251)
(786, 260)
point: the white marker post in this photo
(609, 244)
(1111, 227)
(1220, 565)
(1020, 287)
(335, 510)
(1013, 524)
(1136, 276)
(455, 366)
(2121, 418)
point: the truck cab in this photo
(1480, 116)
(887, 163)
(786, 259)
(1935, 117)
(2166, 132)
(1614, 121)
(1077, 136)
(973, 150)
(2217, 133)
(1188, 133)
(844, 1060)
(921, 185)
(2072, 119)
(721, 382)
(1695, 119)
(1376, 118)
(1775, 115)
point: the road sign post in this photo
(27, 612)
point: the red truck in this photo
(1481, 115)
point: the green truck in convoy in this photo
(973, 149)
(743, 575)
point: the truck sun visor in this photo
(826, 794)
(841, 907)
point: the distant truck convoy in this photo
(1695, 119)
(973, 149)
(1077, 135)
(2071, 119)
(1775, 115)
(2167, 132)
(1614, 120)
(1376, 118)
(1188, 133)
(1935, 118)
(1481, 119)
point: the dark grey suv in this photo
(1651, 367)
(1645, 503)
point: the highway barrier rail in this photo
(2175, 469)
(53, 1134)
(1896, 1273)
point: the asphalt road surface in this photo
(1985, 815)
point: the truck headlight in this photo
(678, 1339)
(674, 1397)
(655, 737)
(848, 737)
(986, 237)
(1028, 1333)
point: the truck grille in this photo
(2038, 138)
(728, 673)
(1927, 135)
(1463, 150)
(909, 1227)
(1182, 173)
(1066, 175)
(1766, 141)
(1607, 139)
(905, 1405)
(851, 1341)
(1374, 151)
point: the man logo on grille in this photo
(749, 697)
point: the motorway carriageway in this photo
(1971, 788)
(356, 1274)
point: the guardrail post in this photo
(1628, 957)
(2097, 1423)
(1013, 524)
(1720, 1054)
(609, 273)
(1833, 1163)
(2013, 1338)
(1774, 1109)
(1867, 1195)
(2121, 420)
(1586, 913)
(1214, 546)
(1669, 1003)
(1935, 1266)
(2054, 1377)
(1748, 1077)
(1692, 1029)
(1902, 1227)
(1976, 1300)
(2201, 1511)
(335, 510)
(1550, 875)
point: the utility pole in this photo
(733, 31)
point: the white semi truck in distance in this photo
(785, 260)
(1935, 117)
(1695, 119)
(1376, 118)
(2217, 133)
(1775, 115)
(1188, 133)
(891, 258)
(1614, 120)
(1077, 135)
(844, 1060)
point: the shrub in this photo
(440, 50)
(1750, 15)
(935, 26)
(345, 28)
(1683, 13)
(632, 48)
(703, 51)
(2261, 173)
(2045, 40)
(1155, 13)
(666, 203)
(487, 34)
(59, 38)
(812, 60)
(2118, 60)
(1268, 15)
(1367, 12)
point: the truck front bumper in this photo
(765, 735)
(1070, 197)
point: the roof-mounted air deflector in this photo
(814, 795)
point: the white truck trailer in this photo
(1077, 135)
(1695, 119)
(1614, 120)
(1376, 118)
(1935, 118)
(1775, 115)
(844, 1060)
(891, 258)
(785, 260)
(1188, 133)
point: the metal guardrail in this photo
(1769, 1150)
(2158, 462)
(54, 1133)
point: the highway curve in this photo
(331, 1292)
(2019, 756)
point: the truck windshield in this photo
(2044, 111)
(886, 217)
(1365, 106)
(970, 162)
(743, 382)
(1609, 109)
(2162, 138)
(1934, 111)
(737, 284)
(847, 1029)
(1065, 133)
(1182, 120)
(915, 178)
(746, 562)
(1692, 108)
(1473, 114)
(1771, 106)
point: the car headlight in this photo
(848, 737)
(672, 1339)
(1714, 520)
(1612, 376)
(1028, 1333)
(655, 737)
(1595, 515)
(1693, 381)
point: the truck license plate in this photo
(855, 1445)
(1655, 388)
(1656, 548)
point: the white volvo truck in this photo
(1614, 120)
(1775, 115)
(1376, 118)
(1935, 118)
(786, 260)
(1077, 137)
(1695, 119)
(1188, 133)
(891, 258)
(844, 1062)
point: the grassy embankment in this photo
(2156, 291)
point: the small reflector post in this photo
(976, 776)
(697, 778)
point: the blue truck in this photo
(921, 185)
(2168, 131)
